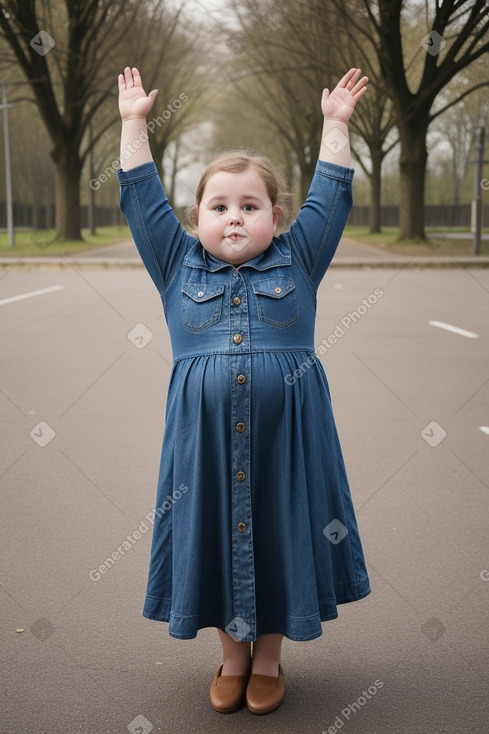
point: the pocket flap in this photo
(202, 291)
(274, 287)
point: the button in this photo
(240, 476)
(200, 294)
(278, 289)
(241, 379)
(241, 526)
(240, 427)
(237, 338)
(236, 300)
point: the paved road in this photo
(347, 248)
(82, 420)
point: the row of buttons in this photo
(240, 476)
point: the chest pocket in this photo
(276, 301)
(201, 305)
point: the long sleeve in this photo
(317, 230)
(160, 238)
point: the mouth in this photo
(237, 239)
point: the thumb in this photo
(325, 94)
(152, 97)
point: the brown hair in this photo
(236, 160)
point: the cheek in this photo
(263, 227)
(208, 222)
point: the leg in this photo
(266, 654)
(235, 655)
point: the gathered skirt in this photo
(300, 553)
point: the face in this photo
(236, 220)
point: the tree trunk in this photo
(375, 191)
(173, 176)
(67, 173)
(307, 173)
(412, 165)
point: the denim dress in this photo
(254, 527)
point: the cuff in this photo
(333, 170)
(138, 173)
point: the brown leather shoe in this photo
(228, 692)
(265, 693)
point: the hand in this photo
(133, 102)
(340, 103)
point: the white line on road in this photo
(455, 329)
(31, 294)
(484, 429)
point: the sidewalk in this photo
(350, 254)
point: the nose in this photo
(235, 217)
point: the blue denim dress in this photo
(254, 528)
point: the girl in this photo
(255, 532)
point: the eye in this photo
(249, 208)
(220, 208)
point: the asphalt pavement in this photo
(85, 363)
(350, 253)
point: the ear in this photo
(276, 216)
(193, 215)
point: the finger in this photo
(128, 77)
(358, 95)
(359, 85)
(354, 78)
(136, 77)
(122, 83)
(346, 78)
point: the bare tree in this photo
(283, 73)
(374, 120)
(70, 52)
(293, 51)
(457, 34)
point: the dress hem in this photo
(214, 619)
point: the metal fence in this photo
(439, 215)
(435, 216)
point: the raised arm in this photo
(134, 106)
(319, 225)
(337, 107)
(160, 238)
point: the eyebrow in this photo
(224, 197)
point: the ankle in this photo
(238, 665)
(265, 666)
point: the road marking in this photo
(484, 429)
(455, 329)
(31, 294)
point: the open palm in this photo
(133, 100)
(340, 103)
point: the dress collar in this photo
(277, 254)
